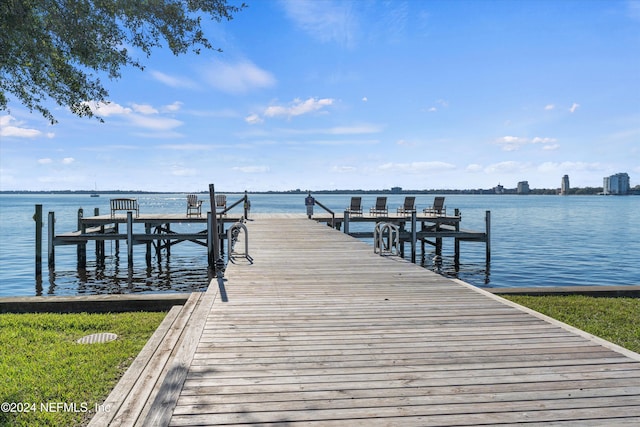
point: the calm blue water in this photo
(536, 241)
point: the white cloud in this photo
(509, 166)
(154, 123)
(239, 77)
(186, 147)
(549, 107)
(353, 130)
(108, 109)
(474, 167)
(144, 109)
(253, 119)
(251, 169)
(182, 171)
(512, 143)
(440, 103)
(364, 99)
(343, 169)
(10, 127)
(68, 160)
(538, 140)
(564, 167)
(325, 21)
(417, 167)
(574, 107)
(45, 161)
(551, 147)
(298, 107)
(172, 107)
(176, 82)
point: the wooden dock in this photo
(319, 330)
(389, 230)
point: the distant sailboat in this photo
(95, 191)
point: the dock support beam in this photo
(51, 235)
(414, 235)
(37, 217)
(147, 230)
(487, 220)
(130, 239)
(212, 228)
(346, 222)
(456, 245)
(82, 247)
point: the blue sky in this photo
(360, 95)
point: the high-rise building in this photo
(616, 184)
(523, 187)
(564, 186)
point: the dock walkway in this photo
(319, 330)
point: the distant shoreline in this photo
(587, 191)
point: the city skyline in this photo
(359, 95)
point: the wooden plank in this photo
(320, 331)
(159, 410)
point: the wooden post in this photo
(487, 221)
(147, 230)
(100, 244)
(130, 239)
(346, 222)
(423, 256)
(214, 226)
(82, 247)
(37, 217)
(116, 230)
(438, 240)
(246, 205)
(210, 245)
(456, 244)
(414, 235)
(401, 230)
(167, 242)
(51, 234)
(221, 237)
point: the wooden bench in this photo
(124, 205)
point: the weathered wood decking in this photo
(320, 331)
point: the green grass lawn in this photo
(613, 319)
(54, 381)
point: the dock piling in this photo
(37, 217)
(82, 247)
(50, 239)
(414, 235)
(213, 228)
(130, 239)
(346, 222)
(488, 236)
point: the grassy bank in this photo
(49, 379)
(613, 319)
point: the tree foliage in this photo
(57, 49)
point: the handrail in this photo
(244, 198)
(333, 215)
